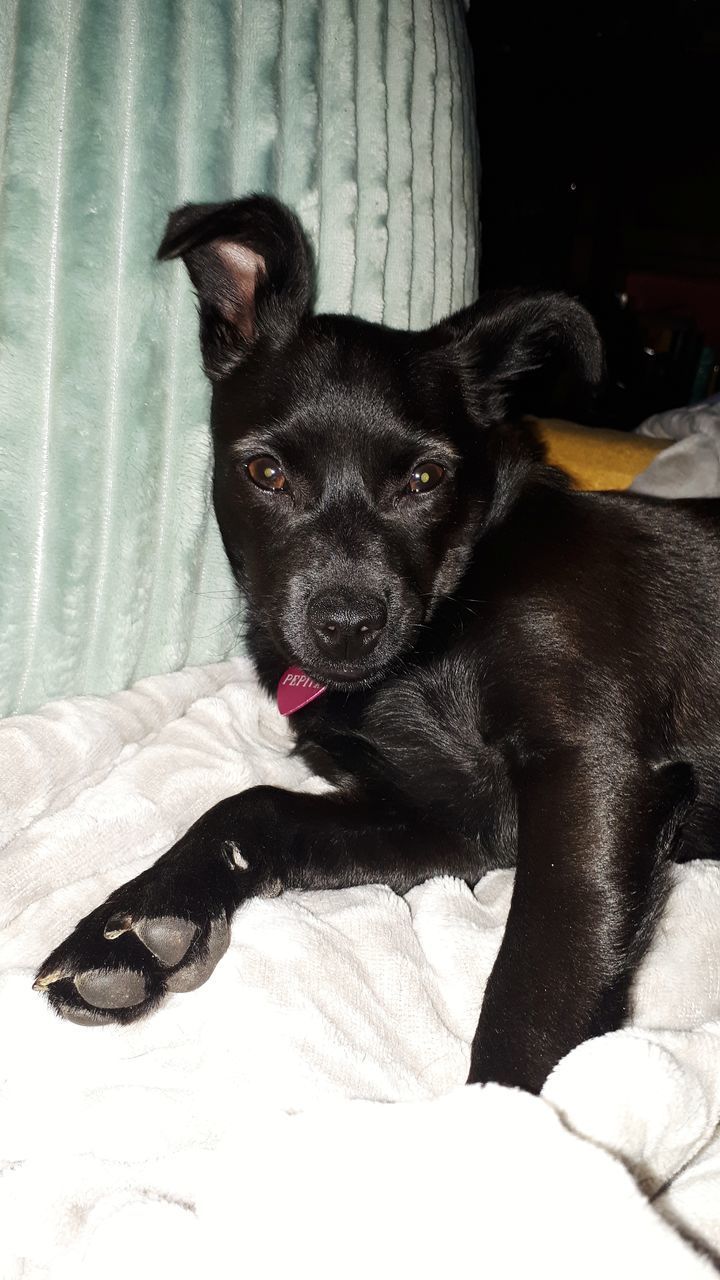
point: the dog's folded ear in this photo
(523, 352)
(251, 266)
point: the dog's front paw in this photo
(124, 957)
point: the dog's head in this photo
(355, 466)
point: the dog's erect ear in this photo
(251, 267)
(512, 349)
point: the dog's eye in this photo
(266, 473)
(425, 477)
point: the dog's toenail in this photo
(40, 984)
(167, 937)
(111, 988)
(234, 856)
(118, 924)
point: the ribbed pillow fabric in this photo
(359, 113)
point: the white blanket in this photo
(220, 1136)
(691, 467)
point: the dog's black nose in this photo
(346, 627)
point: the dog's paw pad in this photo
(167, 937)
(94, 997)
(111, 988)
(198, 970)
(84, 1016)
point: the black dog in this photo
(515, 672)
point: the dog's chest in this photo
(426, 733)
(429, 727)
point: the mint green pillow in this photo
(359, 114)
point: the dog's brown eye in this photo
(266, 473)
(425, 477)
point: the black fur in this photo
(517, 673)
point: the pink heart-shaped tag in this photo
(296, 690)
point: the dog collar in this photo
(296, 690)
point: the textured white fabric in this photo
(691, 467)
(173, 1144)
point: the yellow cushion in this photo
(596, 458)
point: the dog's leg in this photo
(593, 835)
(166, 930)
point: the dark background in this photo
(600, 151)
